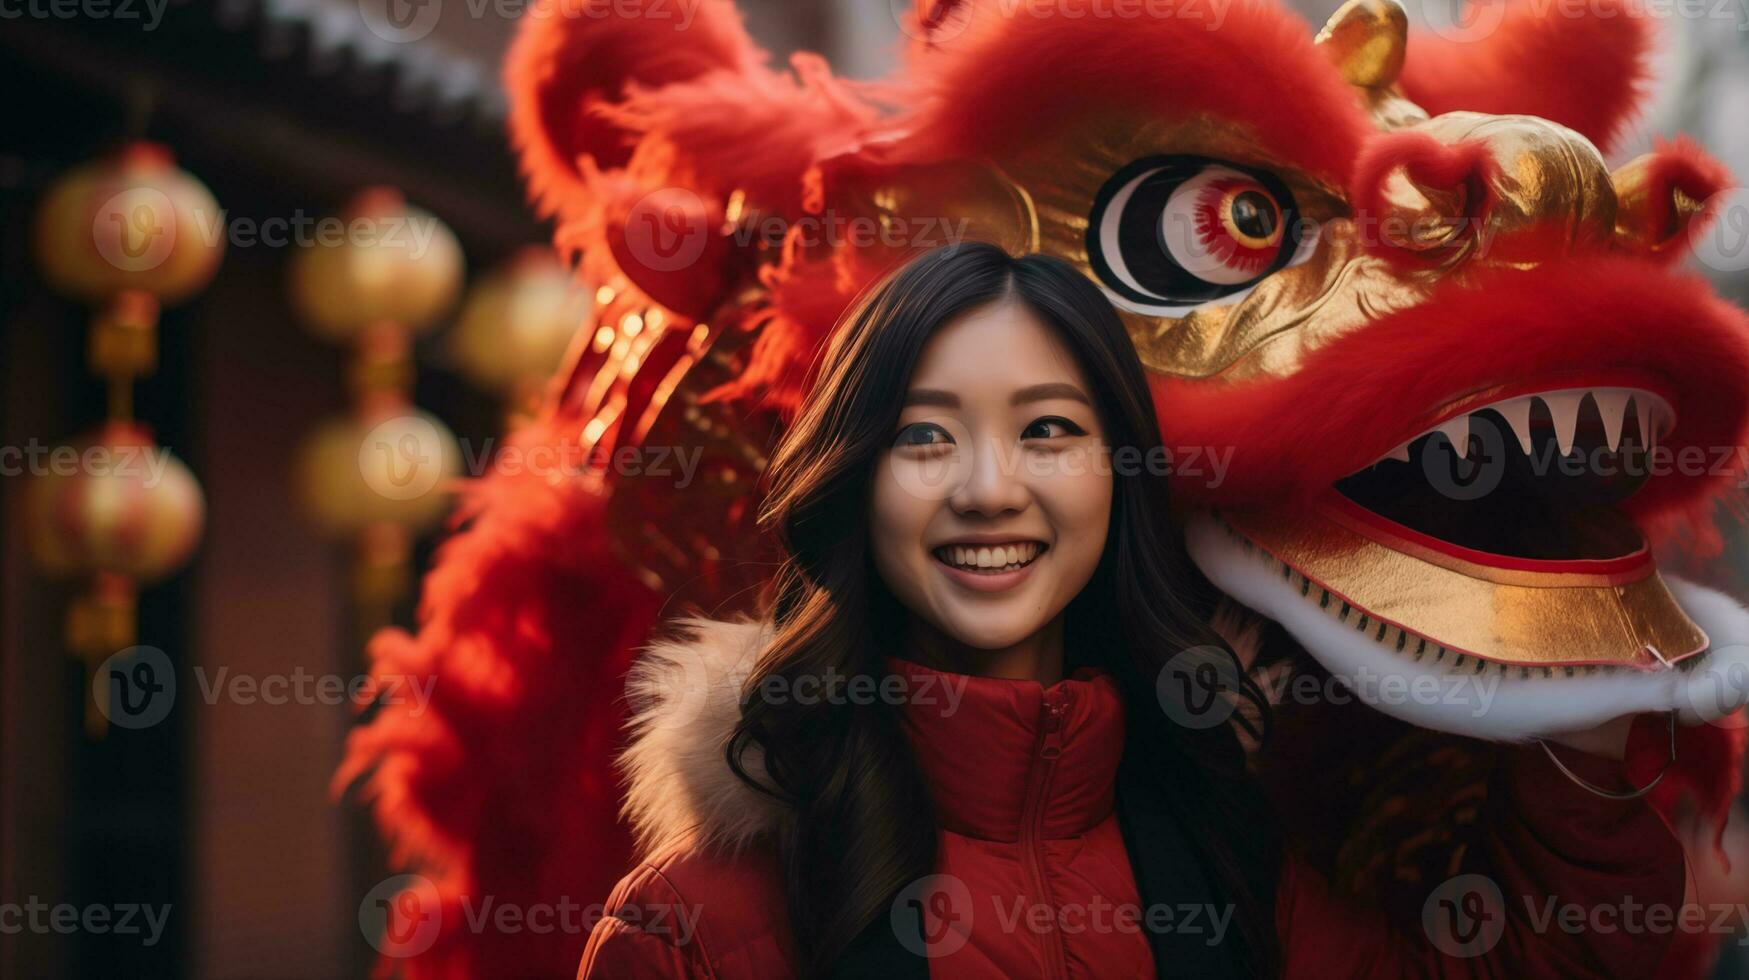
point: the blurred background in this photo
(180, 471)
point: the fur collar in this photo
(685, 693)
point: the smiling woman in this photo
(950, 748)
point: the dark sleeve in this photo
(1562, 884)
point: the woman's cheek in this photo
(1080, 500)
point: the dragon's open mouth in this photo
(1536, 476)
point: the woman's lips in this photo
(989, 581)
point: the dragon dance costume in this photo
(1383, 284)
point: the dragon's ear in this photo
(570, 61)
(652, 140)
(1581, 65)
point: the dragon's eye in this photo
(1169, 233)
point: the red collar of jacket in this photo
(977, 739)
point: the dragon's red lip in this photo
(1512, 476)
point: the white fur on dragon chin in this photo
(1494, 705)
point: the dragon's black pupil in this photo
(1254, 215)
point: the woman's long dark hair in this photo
(858, 828)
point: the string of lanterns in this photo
(131, 234)
(126, 235)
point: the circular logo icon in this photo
(932, 916)
(931, 21)
(1715, 692)
(402, 458)
(400, 21)
(401, 916)
(1463, 20)
(1199, 687)
(667, 230)
(1474, 474)
(1722, 243)
(135, 229)
(135, 688)
(937, 474)
(1465, 916)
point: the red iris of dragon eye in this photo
(1239, 224)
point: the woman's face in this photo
(990, 505)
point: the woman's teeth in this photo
(989, 559)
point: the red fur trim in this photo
(1581, 65)
(1019, 73)
(501, 788)
(1468, 166)
(1681, 164)
(1376, 386)
(568, 59)
(756, 131)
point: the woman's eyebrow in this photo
(1046, 392)
(931, 396)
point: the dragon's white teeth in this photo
(1458, 431)
(1563, 407)
(1564, 411)
(1517, 414)
(1612, 404)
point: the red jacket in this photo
(1033, 878)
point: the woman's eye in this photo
(1179, 231)
(1054, 427)
(922, 434)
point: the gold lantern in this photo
(516, 324)
(127, 235)
(383, 472)
(115, 511)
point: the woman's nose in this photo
(994, 482)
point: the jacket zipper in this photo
(1050, 746)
